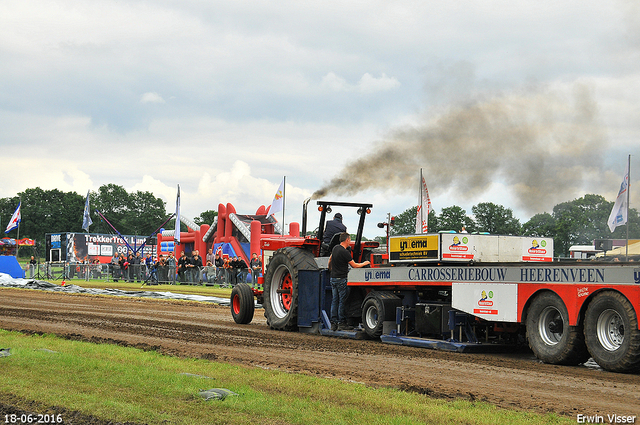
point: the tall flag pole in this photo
(284, 188)
(176, 236)
(628, 194)
(424, 206)
(86, 218)
(277, 204)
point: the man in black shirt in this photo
(183, 261)
(339, 263)
(194, 267)
(256, 268)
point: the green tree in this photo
(454, 218)
(540, 225)
(146, 213)
(206, 217)
(43, 212)
(138, 213)
(405, 222)
(495, 219)
(580, 221)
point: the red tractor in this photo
(285, 260)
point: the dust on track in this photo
(191, 329)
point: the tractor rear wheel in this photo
(281, 286)
(550, 337)
(242, 305)
(611, 332)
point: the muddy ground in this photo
(509, 380)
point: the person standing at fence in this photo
(183, 261)
(139, 264)
(233, 270)
(129, 267)
(171, 268)
(210, 258)
(195, 266)
(161, 269)
(219, 263)
(32, 266)
(112, 266)
(228, 271)
(243, 270)
(256, 268)
(148, 263)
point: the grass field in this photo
(127, 384)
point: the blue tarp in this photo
(9, 265)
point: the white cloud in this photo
(367, 83)
(151, 97)
(334, 82)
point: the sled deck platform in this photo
(437, 344)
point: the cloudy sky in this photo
(525, 104)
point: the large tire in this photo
(550, 336)
(377, 308)
(611, 332)
(242, 305)
(281, 286)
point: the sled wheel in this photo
(281, 286)
(611, 332)
(377, 308)
(242, 306)
(550, 336)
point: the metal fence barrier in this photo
(141, 273)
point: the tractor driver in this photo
(339, 263)
(332, 228)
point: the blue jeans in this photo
(339, 290)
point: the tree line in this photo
(576, 222)
(53, 211)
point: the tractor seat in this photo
(327, 249)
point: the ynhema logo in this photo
(636, 276)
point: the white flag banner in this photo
(278, 200)
(86, 217)
(15, 219)
(176, 236)
(618, 215)
(422, 219)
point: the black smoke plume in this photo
(544, 145)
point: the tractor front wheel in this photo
(242, 305)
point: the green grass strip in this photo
(128, 384)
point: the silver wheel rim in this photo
(371, 317)
(610, 330)
(276, 299)
(548, 323)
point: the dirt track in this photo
(208, 331)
